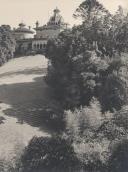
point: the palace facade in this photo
(28, 40)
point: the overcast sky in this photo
(14, 11)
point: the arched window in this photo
(41, 46)
(34, 46)
(38, 46)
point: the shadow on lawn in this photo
(32, 103)
(36, 71)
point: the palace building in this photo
(51, 30)
(22, 32)
(26, 39)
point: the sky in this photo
(12, 12)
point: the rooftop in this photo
(23, 29)
(56, 21)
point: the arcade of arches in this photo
(38, 46)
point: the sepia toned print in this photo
(63, 86)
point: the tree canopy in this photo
(7, 44)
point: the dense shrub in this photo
(84, 60)
(83, 128)
(121, 117)
(94, 135)
(119, 160)
(7, 44)
(76, 79)
(114, 92)
(85, 118)
(48, 154)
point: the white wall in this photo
(19, 36)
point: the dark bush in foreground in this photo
(119, 159)
(48, 154)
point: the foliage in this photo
(76, 78)
(109, 32)
(119, 30)
(121, 117)
(83, 119)
(82, 126)
(7, 44)
(49, 154)
(119, 160)
(114, 88)
(87, 61)
(90, 9)
(94, 135)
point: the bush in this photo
(94, 135)
(50, 154)
(82, 126)
(84, 118)
(121, 118)
(7, 44)
(76, 77)
(119, 159)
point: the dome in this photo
(23, 29)
(22, 25)
(56, 19)
(56, 10)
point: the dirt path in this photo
(23, 93)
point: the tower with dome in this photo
(52, 29)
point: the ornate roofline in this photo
(23, 31)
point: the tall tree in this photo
(90, 9)
(120, 30)
(96, 24)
